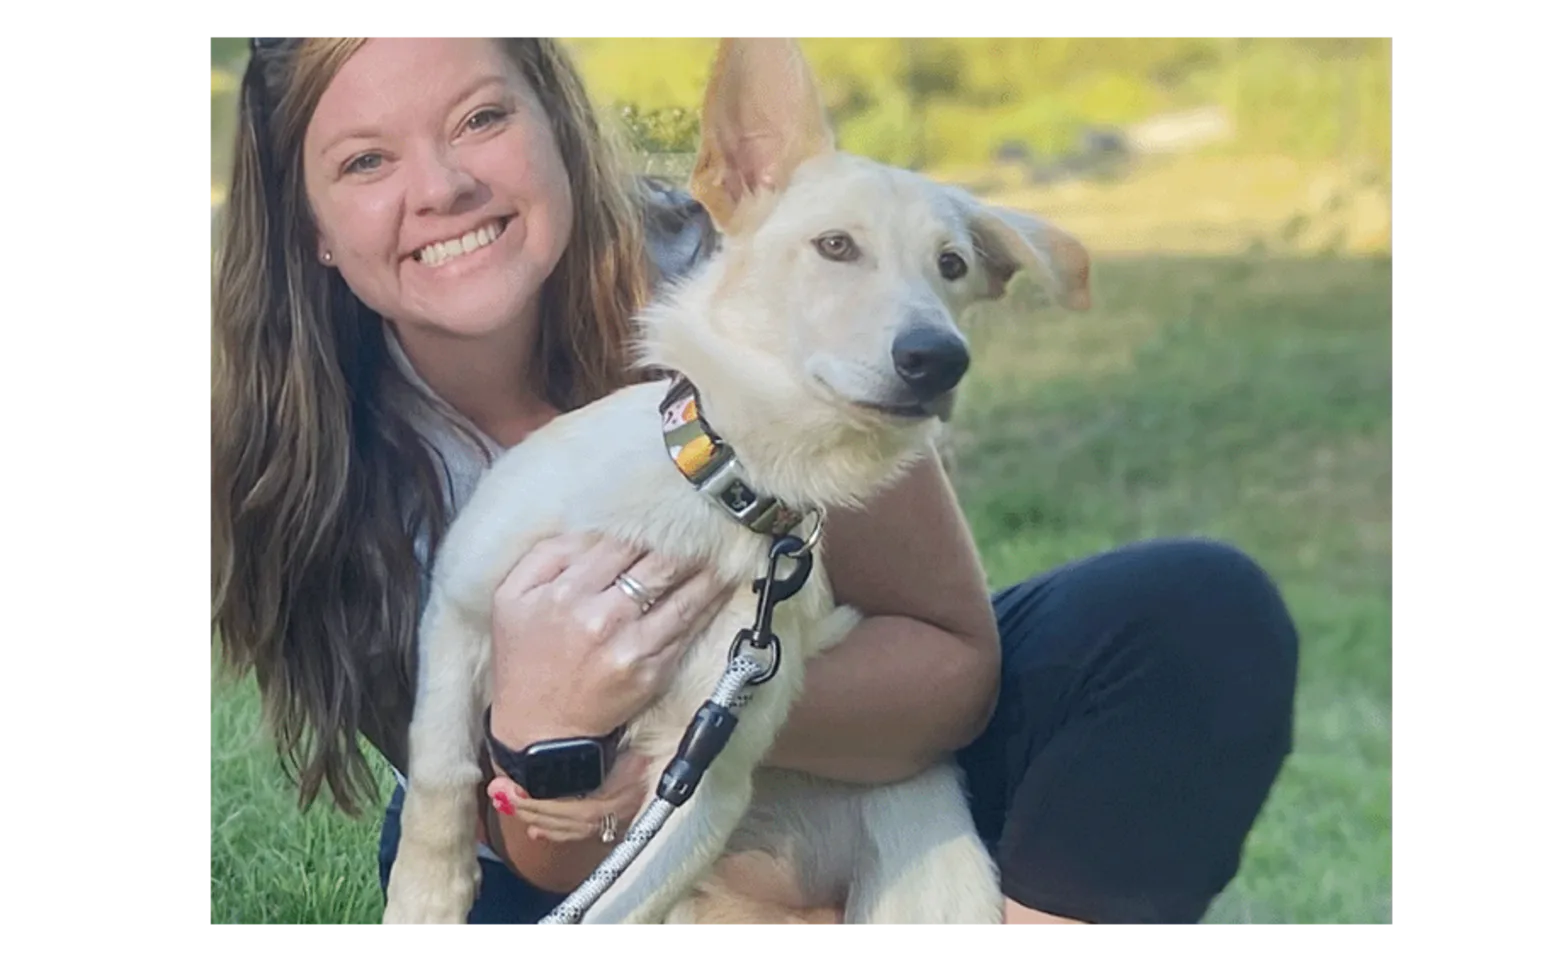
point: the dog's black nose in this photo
(930, 360)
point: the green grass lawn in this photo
(1238, 397)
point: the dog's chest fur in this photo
(604, 469)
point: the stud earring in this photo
(325, 257)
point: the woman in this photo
(429, 252)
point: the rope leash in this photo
(729, 696)
(707, 733)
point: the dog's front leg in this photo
(435, 876)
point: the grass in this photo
(270, 864)
(1233, 393)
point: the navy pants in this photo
(1145, 708)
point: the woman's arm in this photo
(917, 679)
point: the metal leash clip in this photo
(759, 638)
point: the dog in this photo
(822, 340)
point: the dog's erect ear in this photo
(761, 119)
(1008, 241)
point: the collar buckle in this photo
(712, 468)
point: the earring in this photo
(325, 257)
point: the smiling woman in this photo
(407, 188)
(330, 369)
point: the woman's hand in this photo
(563, 821)
(573, 653)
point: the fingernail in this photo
(502, 804)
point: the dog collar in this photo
(711, 466)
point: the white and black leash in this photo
(708, 733)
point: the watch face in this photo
(564, 769)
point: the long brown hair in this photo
(319, 480)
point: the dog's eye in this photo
(951, 266)
(837, 246)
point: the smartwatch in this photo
(554, 769)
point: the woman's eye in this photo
(486, 117)
(363, 163)
(951, 266)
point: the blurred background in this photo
(1232, 380)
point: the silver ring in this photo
(636, 591)
(610, 831)
(813, 540)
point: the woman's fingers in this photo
(595, 569)
(547, 559)
(559, 834)
(575, 822)
(655, 574)
(658, 573)
(557, 820)
(667, 629)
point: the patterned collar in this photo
(711, 466)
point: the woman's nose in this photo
(440, 181)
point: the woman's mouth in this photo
(437, 253)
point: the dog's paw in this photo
(431, 890)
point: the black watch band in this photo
(553, 769)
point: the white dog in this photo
(822, 340)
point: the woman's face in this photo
(436, 184)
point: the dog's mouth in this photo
(940, 407)
(907, 413)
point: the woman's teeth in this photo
(437, 253)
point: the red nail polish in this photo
(502, 804)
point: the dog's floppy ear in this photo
(761, 119)
(1008, 242)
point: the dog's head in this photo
(840, 279)
(823, 335)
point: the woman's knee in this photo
(1153, 693)
(1214, 607)
(1199, 619)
